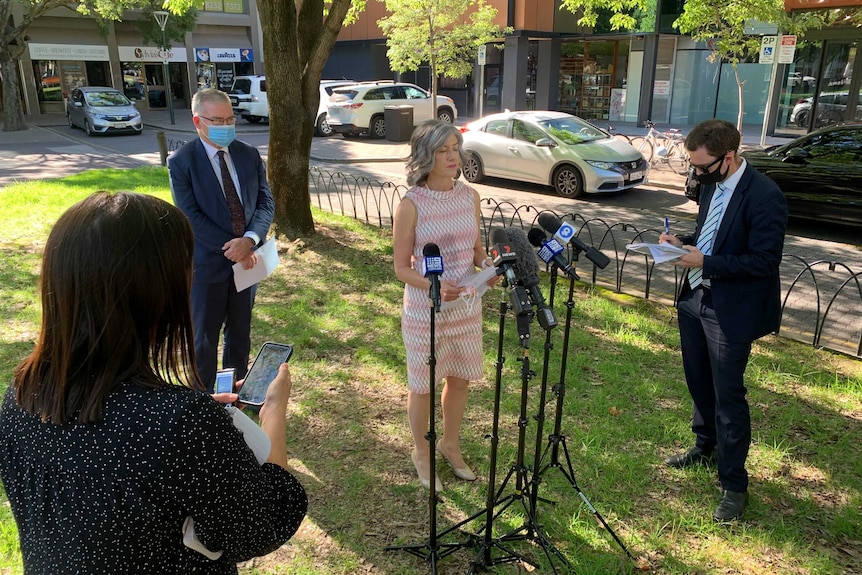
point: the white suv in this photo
(360, 108)
(321, 126)
(248, 98)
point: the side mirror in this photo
(797, 156)
(79, 104)
(546, 143)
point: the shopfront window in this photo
(593, 79)
(133, 80)
(49, 88)
(816, 87)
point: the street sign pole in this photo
(768, 45)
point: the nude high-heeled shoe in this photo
(424, 481)
(464, 473)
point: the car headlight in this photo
(100, 117)
(135, 115)
(601, 165)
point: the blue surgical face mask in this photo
(221, 135)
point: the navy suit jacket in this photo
(746, 255)
(197, 192)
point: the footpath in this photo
(47, 149)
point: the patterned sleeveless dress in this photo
(447, 219)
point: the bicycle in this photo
(618, 135)
(663, 148)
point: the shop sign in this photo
(151, 54)
(229, 6)
(224, 55)
(68, 52)
(661, 88)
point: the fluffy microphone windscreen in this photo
(498, 236)
(550, 222)
(526, 266)
(537, 237)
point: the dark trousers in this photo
(714, 369)
(217, 305)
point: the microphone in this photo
(564, 233)
(550, 251)
(432, 267)
(504, 257)
(527, 269)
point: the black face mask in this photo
(713, 177)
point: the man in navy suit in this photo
(221, 186)
(730, 297)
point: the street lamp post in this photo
(162, 19)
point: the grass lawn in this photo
(336, 299)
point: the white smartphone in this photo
(224, 380)
(263, 371)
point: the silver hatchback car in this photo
(100, 110)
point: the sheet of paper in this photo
(660, 252)
(267, 261)
(478, 282)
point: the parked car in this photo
(101, 110)
(360, 108)
(795, 79)
(248, 98)
(831, 108)
(321, 126)
(551, 148)
(820, 173)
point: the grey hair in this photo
(205, 96)
(427, 138)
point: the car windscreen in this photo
(106, 99)
(572, 130)
(241, 86)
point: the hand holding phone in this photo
(263, 371)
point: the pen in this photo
(666, 227)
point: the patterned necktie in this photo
(237, 215)
(707, 235)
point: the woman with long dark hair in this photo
(113, 457)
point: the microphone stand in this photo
(431, 550)
(556, 438)
(531, 529)
(487, 543)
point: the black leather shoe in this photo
(731, 506)
(694, 456)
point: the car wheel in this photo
(88, 128)
(322, 127)
(473, 169)
(253, 119)
(71, 123)
(568, 182)
(802, 119)
(377, 127)
(446, 115)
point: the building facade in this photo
(549, 62)
(66, 50)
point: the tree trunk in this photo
(13, 113)
(740, 89)
(297, 45)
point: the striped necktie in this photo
(237, 215)
(707, 235)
